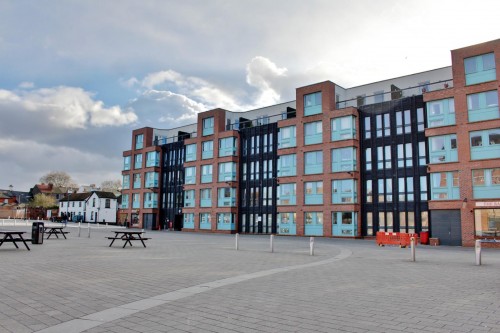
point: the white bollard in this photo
(311, 246)
(79, 228)
(412, 246)
(88, 227)
(272, 243)
(237, 242)
(478, 252)
(14, 223)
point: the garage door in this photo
(445, 225)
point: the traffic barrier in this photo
(395, 238)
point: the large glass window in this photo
(227, 147)
(313, 193)
(445, 186)
(205, 221)
(206, 173)
(126, 163)
(151, 179)
(344, 128)
(225, 221)
(487, 222)
(152, 159)
(287, 165)
(206, 197)
(441, 112)
(207, 149)
(208, 126)
(125, 199)
(312, 104)
(313, 162)
(368, 155)
(126, 182)
(344, 159)
(344, 191)
(480, 69)
(486, 183)
(313, 133)
(405, 155)
(384, 157)
(485, 144)
(287, 137)
(136, 200)
(344, 224)
(138, 161)
(227, 171)
(368, 131)
(287, 194)
(150, 200)
(287, 223)
(139, 141)
(190, 175)
(443, 148)
(226, 197)
(137, 180)
(313, 223)
(188, 221)
(483, 106)
(191, 152)
(189, 198)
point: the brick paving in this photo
(186, 282)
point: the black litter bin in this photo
(37, 233)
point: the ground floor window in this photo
(487, 222)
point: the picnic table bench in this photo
(55, 231)
(8, 237)
(128, 236)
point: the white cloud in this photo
(67, 107)
(157, 78)
(26, 85)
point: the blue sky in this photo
(78, 76)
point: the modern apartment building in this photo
(414, 153)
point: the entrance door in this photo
(446, 225)
(178, 222)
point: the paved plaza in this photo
(187, 282)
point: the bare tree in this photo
(58, 178)
(111, 185)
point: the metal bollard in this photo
(478, 252)
(79, 228)
(271, 240)
(412, 246)
(14, 223)
(88, 227)
(237, 242)
(311, 246)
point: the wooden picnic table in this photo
(13, 237)
(128, 236)
(55, 231)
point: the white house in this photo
(96, 206)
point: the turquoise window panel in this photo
(443, 149)
(225, 221)
(138, 161)
(205, 221)
(206, 173)
(151, 179)
(483, 106)
(227, 171)
(136, 203)
(126, 163)
(126, 182)
(444, 186)
(313, 193)
(313, 224)
(287, 137)
(139, 141)
(486, 183)
(313, 162)
(206, 202)
(226, 197)
(206, 178)
(344, 224)
(190, 175)
(150, 204)
(344, 191)
(480, 69)
(312, 104)
(188, 222)
(287, 194)
(152, 159)
(287, 224)
(227, 147)
(313, 133)
(191, 152)
(208, 126)
(344, 159)
(343, 128)
(441, 113)
(125, 199)
(137, 180)
(189, 199)
(485, 144)
(287, 165)
(207, 150)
